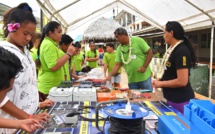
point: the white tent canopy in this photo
(192, 14)
(74, 13)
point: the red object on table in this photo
(146, 95)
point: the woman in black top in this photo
(177, 61)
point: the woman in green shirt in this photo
(49, 60)
(92, 56)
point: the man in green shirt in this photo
(135, 55)
(109, 62)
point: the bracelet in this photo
(69, 55)
(30, 116)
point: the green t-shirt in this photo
(109, 58)
(91, 54)
(65, 67)
(73, 63)
(34, 53)
(138, 54)
(78, 61)
(49, 54)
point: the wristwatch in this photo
(69, 55)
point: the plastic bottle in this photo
(108, 84)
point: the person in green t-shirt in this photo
(49, 60)
(109, 62)
(83, 51)
(157, 54)
(135, 55)
(35, 40)
(77, 46)
(64, 43)
(92, 56)
(79, 58)
(69, 67)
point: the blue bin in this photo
(201, 114)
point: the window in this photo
(128, 19)
(209, 40)
(205, 40)
(133, 18)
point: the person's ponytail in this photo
(193, 55)
(38, 63)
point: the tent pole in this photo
(42, 6)
(211, 45)
(211, 60)
(105, 8)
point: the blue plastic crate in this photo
(202, 114)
